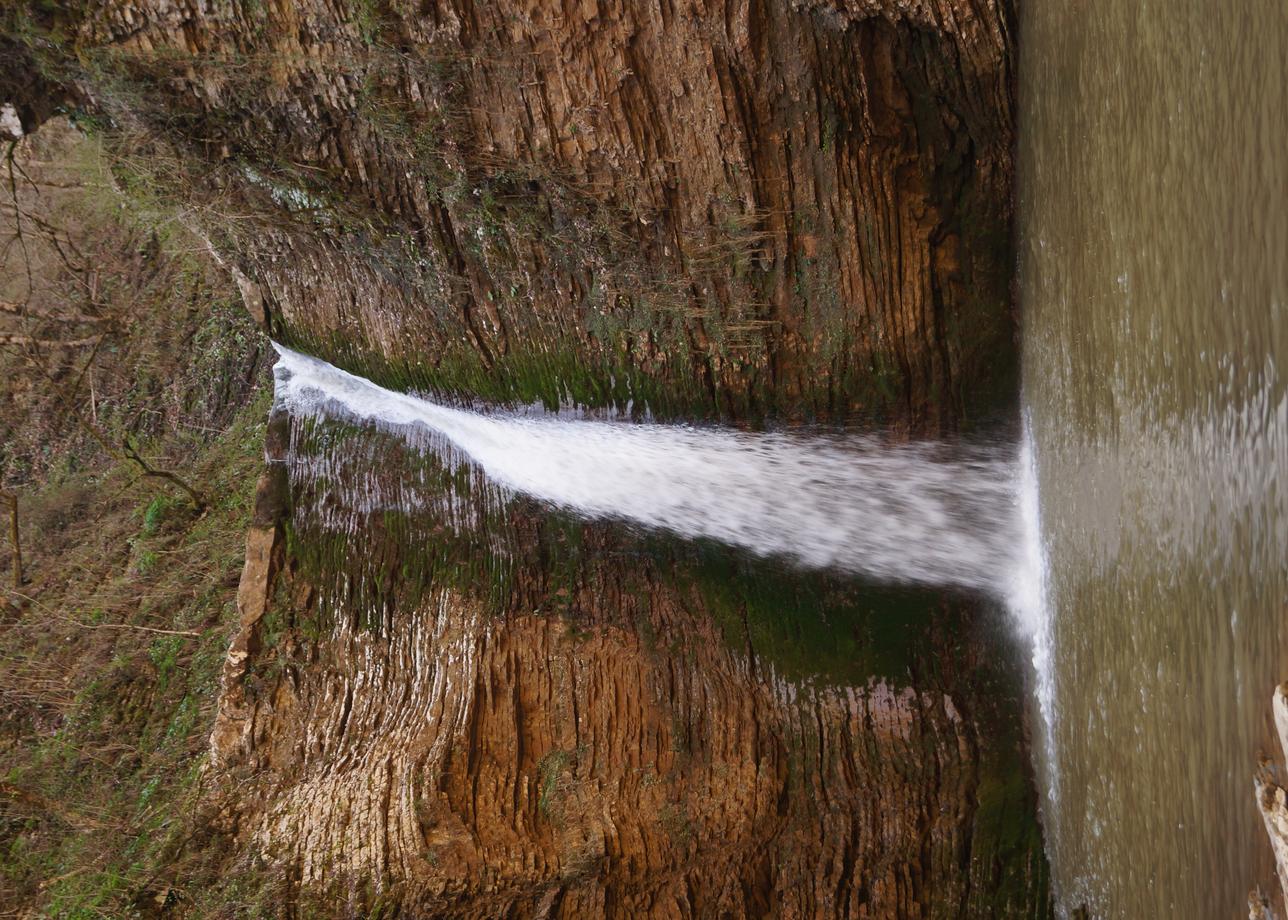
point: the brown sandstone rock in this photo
(795, 208)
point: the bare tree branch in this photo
(21, 309)
(127, 451)
(131, 453)
(13, 193)
(12, 338)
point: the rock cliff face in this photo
(452, 704)
(734, 208)
(1272, 802)
(553, 718)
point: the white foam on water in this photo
(927, 514)
(1028, 603)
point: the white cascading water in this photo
(898, 513)
(1027, 601)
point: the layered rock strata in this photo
(729, 209)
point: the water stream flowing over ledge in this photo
(927, 514)
(687, 589)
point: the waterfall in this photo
(927, 513)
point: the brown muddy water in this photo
(1153, 236)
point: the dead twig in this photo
(8, 338)
(80, 624)
(127, 451)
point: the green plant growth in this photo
(119, 784)
(549, 769)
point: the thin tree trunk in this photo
(15, 537)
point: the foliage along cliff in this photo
(465, 705)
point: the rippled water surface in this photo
(1154, 276)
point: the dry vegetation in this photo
(125, 354)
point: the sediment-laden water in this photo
(1153, 227)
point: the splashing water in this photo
(915, 514)
(1029, 607)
